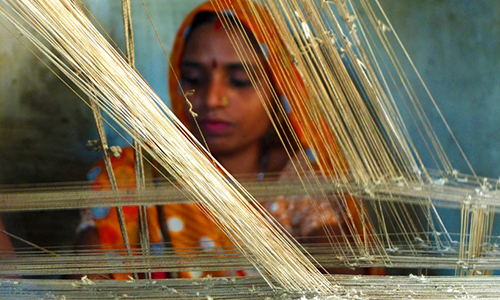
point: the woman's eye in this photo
(238, 78)
(193, 80)
(240, 83)
(193, 76)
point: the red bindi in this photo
(214, 64)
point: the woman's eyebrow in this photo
(239, 66)
(190, 63)
(236, 66)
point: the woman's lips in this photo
(214, 127)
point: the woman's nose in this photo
(216, 94)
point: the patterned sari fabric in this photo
(186, 224)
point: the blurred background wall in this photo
(44, 125)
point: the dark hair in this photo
(206, 17)
(201, 18)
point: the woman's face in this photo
(230, 113)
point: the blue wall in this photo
(455, 45)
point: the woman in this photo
(225, 108)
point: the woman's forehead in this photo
(208, 44)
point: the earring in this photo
(225, 101)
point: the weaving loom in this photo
(331, 45)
